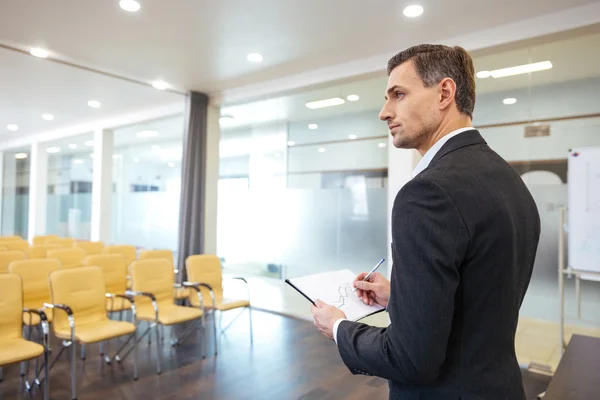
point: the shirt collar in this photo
(424, 163)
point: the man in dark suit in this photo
(465, 231)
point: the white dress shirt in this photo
(421, 166)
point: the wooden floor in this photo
(289, 360)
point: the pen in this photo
(373, 270)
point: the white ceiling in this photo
(202, 45)
(573, 58)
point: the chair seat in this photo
(35, 319)
(222, 304)
(168, 314)
(118, 304)
(17, 350)
(229, 304)
(98, 331)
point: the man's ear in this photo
(447, 93)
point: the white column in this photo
(38, 190)
(213, 136)
(401, 164)
(102, 185)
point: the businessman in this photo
(465, 231)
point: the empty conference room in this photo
(319, 200)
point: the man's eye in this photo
(399, 95)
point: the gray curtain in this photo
(193, 176)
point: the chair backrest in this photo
(154, 276)
(3, 238)
(63, 242)
(205, 268)
(2, 248)
(40, 240)
(36, 251)
(15, 244)
(152, 254)
(114, 269)
(71, 257)
(82, 289)
(9, 256)
(34, 274)
(129, 252)
(90, 248)
(11, 307)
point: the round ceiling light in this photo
(12, 127)
(254, 57)
(353, 97)
(160, 85)
(130, 5)
(413, 11)
(509, 101)
(48, 117)
(40, 53)
(21, 156)
(94, 104)
(483, 74)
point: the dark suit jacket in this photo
(465, 233)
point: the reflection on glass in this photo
(15, 193)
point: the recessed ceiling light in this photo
(136, 160)
(353, 97)
(12, 127)
(52, 150)
(94, 104)
(325, 103)
(413, 11)
(147, 134)
(89, 143)
(483, 74)
(352, 137)
(521, 69)
(510, 100)
(291, 143)
(322, 149)
(130, 5)
(48, 117)
(171, 164)
(77, 161)
(382, 145)
(313, 126)
(160, 85)
(20, 156)
(72, 146)
(226, 119)
(254, 57)
(37, 52)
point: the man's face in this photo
(411, 110)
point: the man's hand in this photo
(325, 317)
(376, 290)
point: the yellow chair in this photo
(21, 245)
(3, 238)
(115, 278)
(180, 293)
(91, 248)
(9, 256)
(36, 291)
(36, 251)
(153, 282)
(62, 242)
(69, 257)
(205, 271)
(128, 252)
(2, 248)
(80, 295)
(40, 240)
(13, 347)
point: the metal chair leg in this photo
(135, 356)
(251, 330)
(73, 371)
(83, 352)
(158, 355)
(215, 331)
(46, 373)
(1, 375)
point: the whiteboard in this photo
(584, 210)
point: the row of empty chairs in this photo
(82, 292)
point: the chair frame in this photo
(156, 324)
(72, 343)
(214, 307)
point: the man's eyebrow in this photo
(393, 89)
